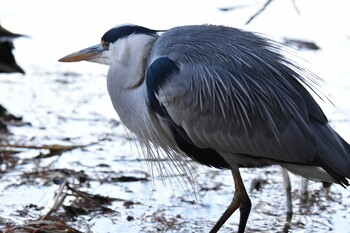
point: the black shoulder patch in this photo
(160, 71)
(123, 31)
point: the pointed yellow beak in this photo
(93, 54)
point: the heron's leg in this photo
(304, 193)
(246, 204)
(240, 199)
(288, 188)
(327, 188)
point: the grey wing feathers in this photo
(242, 52)
(226, 115)
(237, 93)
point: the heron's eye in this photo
(105, 44)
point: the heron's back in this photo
(278, 108)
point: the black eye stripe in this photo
(120, 32)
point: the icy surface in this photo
(68, 104)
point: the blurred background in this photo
(65, 133)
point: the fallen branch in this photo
(47, 147)
(43, 226)
(86, 197)
(53, 149)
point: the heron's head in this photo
(110, 45)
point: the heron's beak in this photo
(96, 53)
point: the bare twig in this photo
(60, 196)
(83, 195)
(259, 11)
(264, 7)
(296, 7)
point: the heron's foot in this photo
(289, 216)
(235, 203)
(244, 209)
(244, 204)
(288, 223)
(286, 227)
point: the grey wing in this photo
(213, 108)
(240, 96)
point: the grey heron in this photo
(224, 97)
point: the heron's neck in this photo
(125, 81)
(129, 58)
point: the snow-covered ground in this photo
(69, 104)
